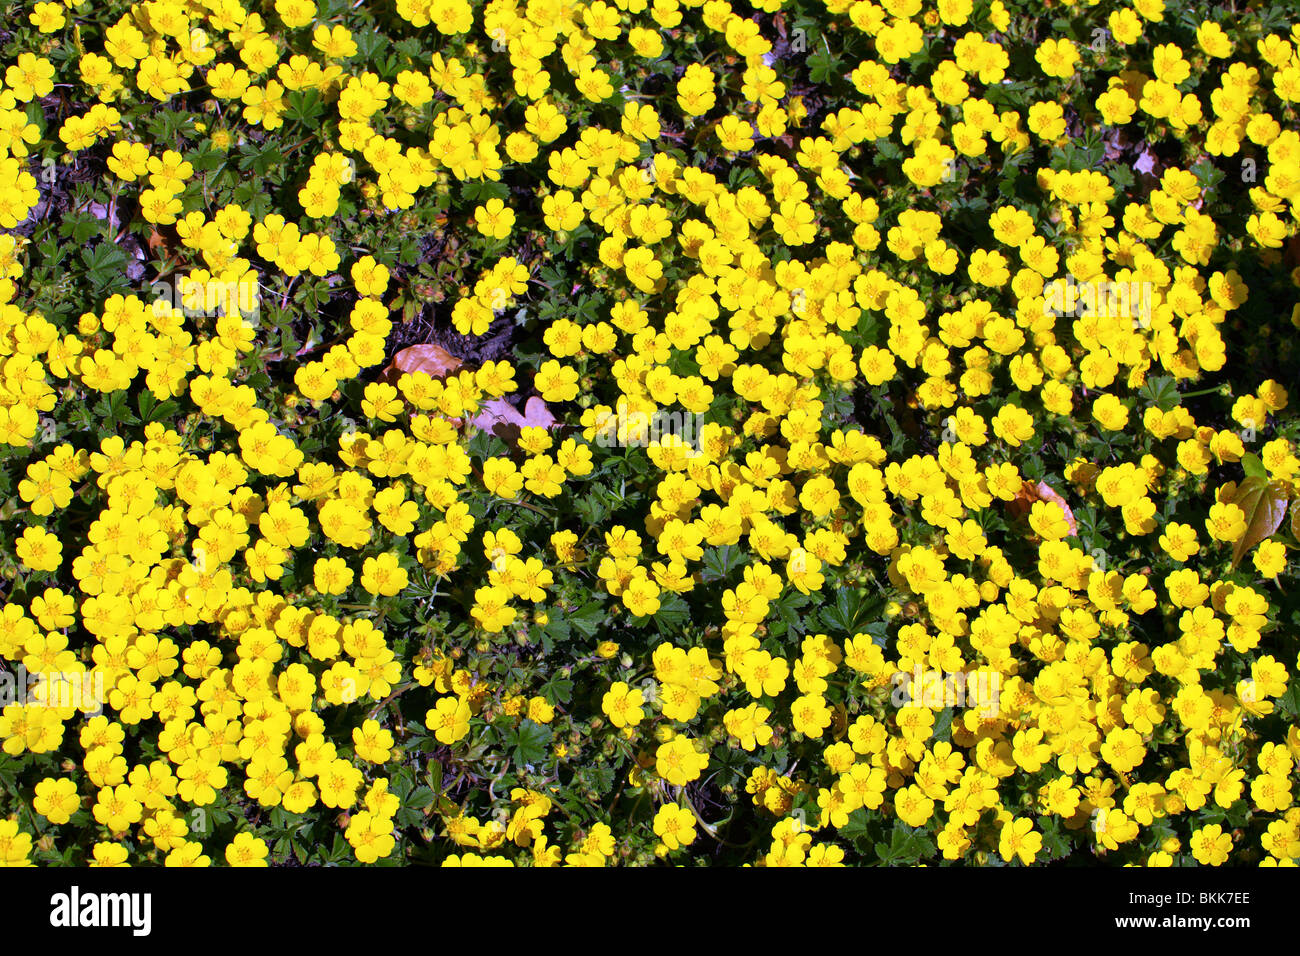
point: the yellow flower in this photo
(1270, 558)
(1019, 839)
(678, 762)
(494, 219)
(1057, 57)
(39, 550)
(1110, 413)
(295, 13)
(47, 17)
(1210, 845)
(449, 719)
(675, 826)
(383, 575)
(247, 850)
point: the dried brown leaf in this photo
(1039, 491)
(431, 359)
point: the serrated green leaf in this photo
(529, 742)
(1160, 391)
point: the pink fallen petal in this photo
(501, 418)
(1146, 163)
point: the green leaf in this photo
(557, 629)
(857, 829)
(788, 611)
(907, 845)
(529, 743)
(887, 149)
(105, 263)
(79, 227)
(409, 48)
(1207, 175)
(720, 562)
(1289, 703)
(558, 690)
(943, 724)
(822, 66)
(113, 410)
(1161, 392)
(433, 778)
(1055, 845)
(587, 619)
(591, 509)
(600, 779)
(672, 613)
(1264, 503)
(849, 613)
(1121, 176)
(481, 192)
(152, 410)
(261, 162)
(369, 44)
(205, 160)
(304, 105)
(1253, 467)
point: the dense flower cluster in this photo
(987, 322)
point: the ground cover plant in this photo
(649, 431)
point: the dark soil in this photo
(434, 325)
